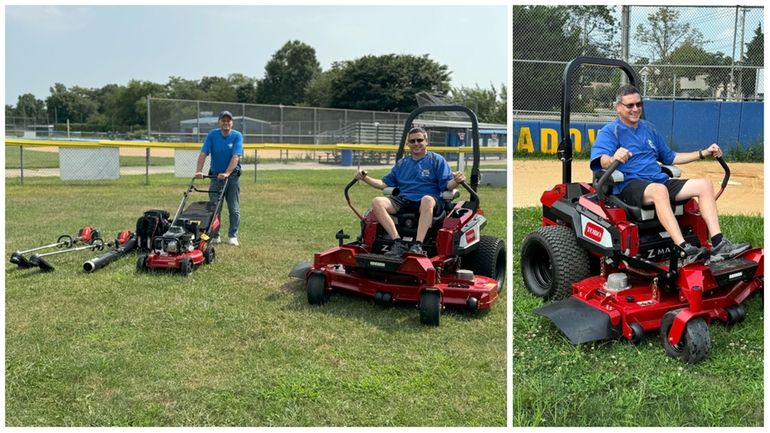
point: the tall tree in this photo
(319, 90)
(181, 88)
(488, 104)
(664, 32)
(541, 33)
(75, 104)
(131, 103)
(31, 108)
(689, 53)
(287, 74)
(753, 56)
(597, 27)
(388, 82)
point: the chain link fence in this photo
(692, 53)
(190, 121)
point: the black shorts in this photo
(408, 206)
(633, 192)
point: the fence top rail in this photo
(196, 146)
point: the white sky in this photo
(92, 46)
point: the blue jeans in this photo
(232, 197)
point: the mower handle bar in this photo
(615, 164)
(726, 177)
(347, 196)
(207, 176)
(193, 188)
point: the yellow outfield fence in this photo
(108, 159)
(246, 146)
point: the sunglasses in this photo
(416, 140)
(632, 105)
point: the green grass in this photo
(616, 383)
(34, 159)
(236, 343)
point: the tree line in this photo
(292, 76)
(561, 33)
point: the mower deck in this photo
(401, 278)
(595, 312)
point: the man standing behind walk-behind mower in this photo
(225, 145)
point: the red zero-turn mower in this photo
(186, 243)
(461, 266)
(612, 270)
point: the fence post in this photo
(147, 150)
(21, 163)
(255, 165)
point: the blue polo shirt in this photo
(416, 178)
(222, 149)
(646, 145)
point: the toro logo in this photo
(593, 232)
(470, 236)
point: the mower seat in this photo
(406, 222)
(644, 215)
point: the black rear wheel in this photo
(488, 259)
(209, 254)
(186, 266)
(551, 261)
(141, 263)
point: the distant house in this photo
(208, 121)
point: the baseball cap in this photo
(225, 113)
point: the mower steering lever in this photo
(726, 177)
(347, 197)
(607, 175)
(474, 196)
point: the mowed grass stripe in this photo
(616, 383)
(236, 343)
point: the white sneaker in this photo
(234, 242)
(216, 240)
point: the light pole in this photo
(644, 72)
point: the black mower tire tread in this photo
(316, 289)
(430, 307)
(568, 262)
(488, 259)
(186, 266)
(141, 263)
(696, 341)
(209, 255)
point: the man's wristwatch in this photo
(700, 154)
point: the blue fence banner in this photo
(686, 126)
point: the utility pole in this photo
(624, 38)
(730, 93)
(739, 91)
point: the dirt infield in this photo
(744, 194)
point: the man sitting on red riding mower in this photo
(645, 183)
(420, 177)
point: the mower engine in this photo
(175, 240)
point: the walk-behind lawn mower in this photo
(461, 267)
(612, 271)
(186, 243)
